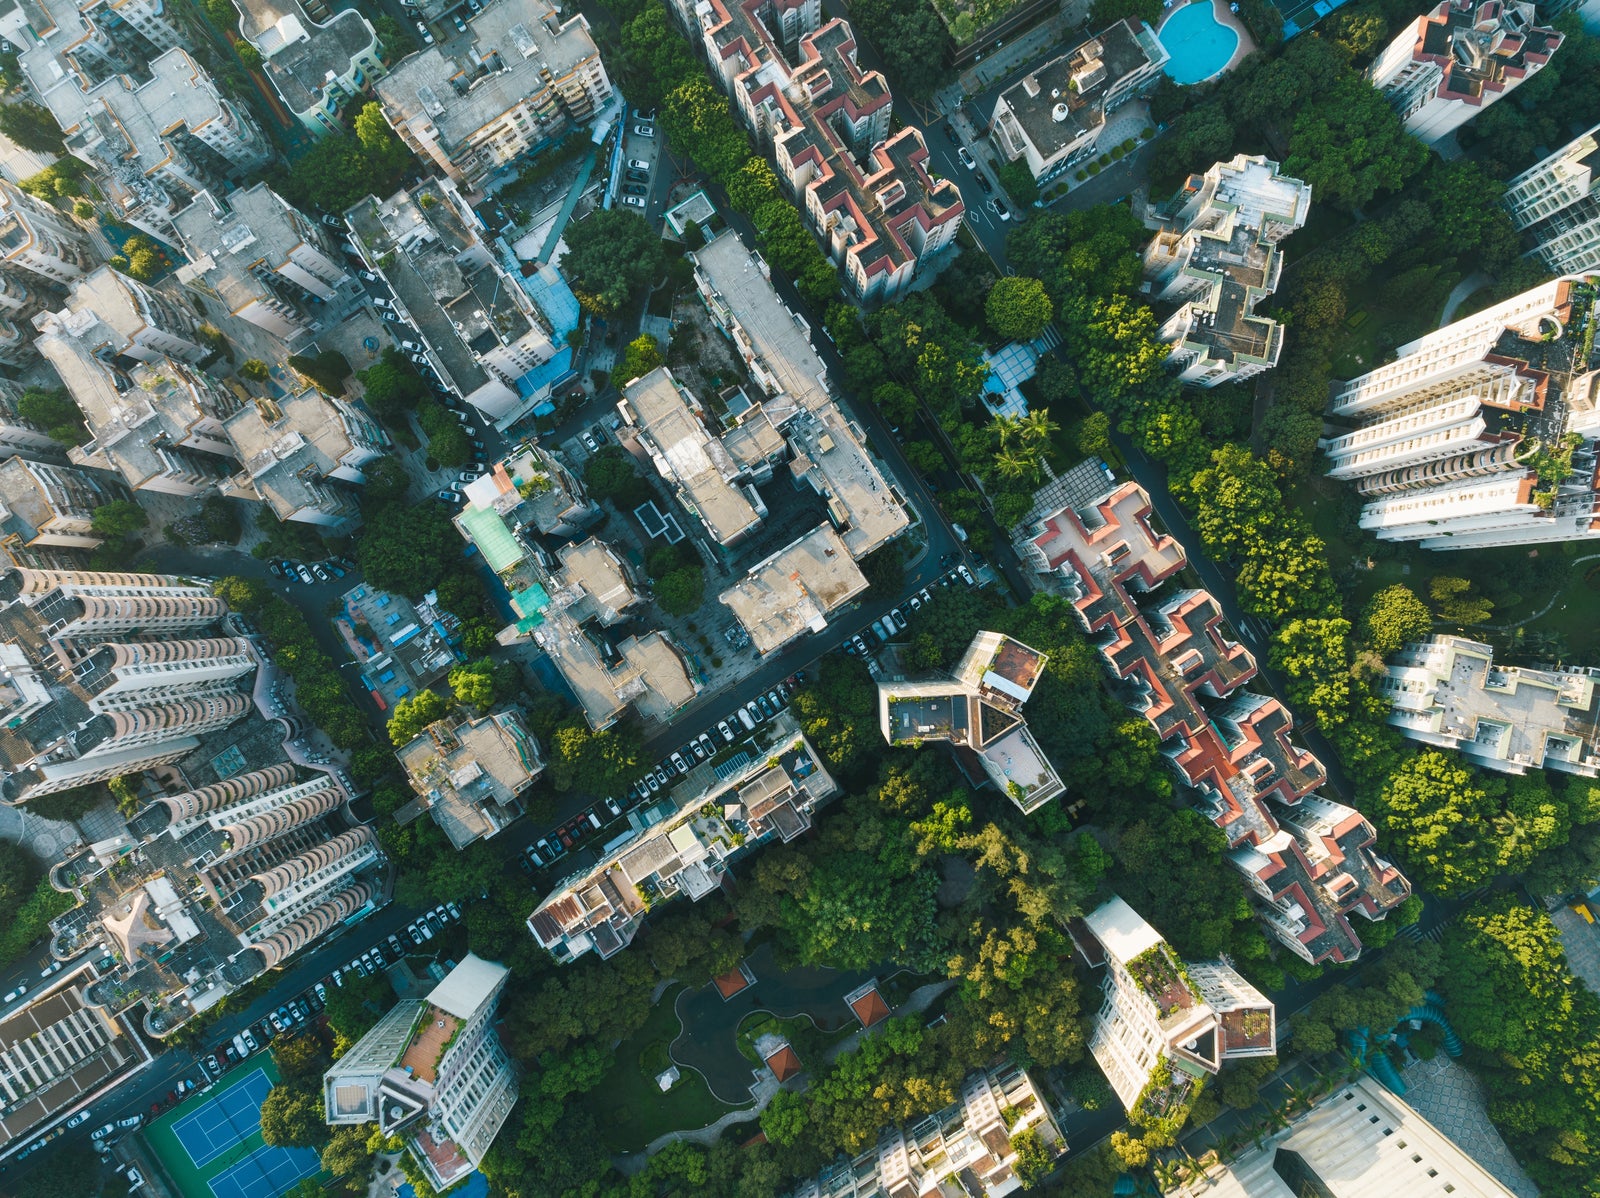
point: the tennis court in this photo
(211, 1146)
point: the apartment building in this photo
(402, 647)
(480, 328)
(40, 240)
(109, 674)
(969, 1140)
(469, 774)
(432, 1070)
(1309, 862)
(564, 605)
(303, 454)
(158, 132)
(1481, 433)
(59, 1055)
(666, 421)
(793, 591)
(158, 424)
(518, 80)
(49, 506)
(1556, 205)
(534, 487)
(1453, 62)
(1215, 256)
(262, 260)
(1360, 1140)
(1155, 1009)
(21, 436)
(686, 841)
(977, 708)
(1447, 691)
(121, 321)
(314, 68)
(1053, 118)
(864, 188)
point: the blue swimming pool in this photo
(1200, 45)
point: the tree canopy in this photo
(612, 257)
(1018, 308)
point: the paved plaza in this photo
(1444, 1093)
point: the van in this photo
(240, 1048)
(594, 820)
(427, 932)
(746, 720)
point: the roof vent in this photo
(1058, 113)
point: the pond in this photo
(1200, 45)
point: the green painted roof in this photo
(493, 539)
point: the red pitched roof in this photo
(730, 983)
(784, 1063)
(870, 1008)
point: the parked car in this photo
(967, 160)
(965, 574)
(653, 782)
(998, 207)
(950, 132)
(633, 201)
(305, 575)
(879, 631)
(249, 1039)
(321, 992)
(53, 967)
(422, 31)
(755, 712)
(613, 807)
(589, 442)
(461, 26)
(634, 176)
(379, 302)
(643, 131)
(677, 759)
(776, 700)
(322, 575)
(391, 317)
(898, 618)
(704, 741)
(101, 1133)
(639, 164)
(634, 189)
(450, 496)
(698, 749)
(79, 1119)
(861, 645)
(131, 1122)
(766, 706)
(726, 731)
(135, 1178)
(984, 185)
(333, 222)
(369, 276)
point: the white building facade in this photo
(1556, 205)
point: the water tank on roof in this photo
(1058, 113)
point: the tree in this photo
(473, 684)
(1033, 1158)
(52, 410)
(612, 257)
(1315, 655)
(1018, 308)
(255, 370)
(682, 590)
(642, 355)
(610, 475)
(119, 518)
(299, 1058)
(412, 715)
(1454, 600)
(1105, 13)
(911, 38)
(597, 763)
(1392, 618)
(32, 127)
(1018, 181)
(248, 54)
(292, 1118)
(1441, 820)
(347, 1153)
(784, 1120)
(1349, 144)
(408, 548)
(391, 386)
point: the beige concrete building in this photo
(118, 318)
(315, 68)
(469, 774)
(52, 506)
(794, 591)
(1556, 205)
(39, 239)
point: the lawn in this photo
(630, 1108)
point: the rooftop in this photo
(302, 56)
(1480, 44)
(1064, 99)
(795, 589)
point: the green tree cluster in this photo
(52, 410)
(31, 126)
(613, 257)
(642, 355)
(411, 716)
(341, 169)
(327, 368)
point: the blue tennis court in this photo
(225, 1122)
(265, 1173)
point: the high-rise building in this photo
(1556, 205)
(864, 188)
(432, 1070)
(1451, 63)
(121, 320)
(110, 673)
(469, 774)
(1361, 1141)
(1215, 255)
(1154, 1008)
(1447, 691)
(43, 505)
(41, 240)
(1053, 118)
(314, 68)
(518, 80)
(1483, 432)
(1309, 862)
(976, 707)
(266, 262)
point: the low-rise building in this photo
(314, 68)
(794, 591)
(1556, 205)
(60, 1054)
(971, 1140)
(265, 262)
(864, 187)
(1215, 256)
(1309, 862)
(432, 1070)
(601, 583)
(469, 774)
(686, 841)
(1452, 62)
(1359, 1141)
(1164, 1024)
(519, 79)
(1053, 118)
(533, 486)
(977, 708)
(402, 647)
(303, 453)
(43, 505)
(1447, 691)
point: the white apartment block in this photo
(1556, 205)
(1447, 66)
(157, 424)
(1155, 1008)
(865, 190)
(1215, 256)
(40, 240)
(1446, 691)
(969, 1140)
(469, 774)
(314, 68)
(108, 674)
(1480, 433)
(519, 79)
(265, 262)
(1053, 118)
(52, 506)
(1361, 1141)
(158, 130)
(123, 321)
(432, 1070)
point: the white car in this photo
(633, 201)
(967, 160)
(638, 164)
(80, 1119)
(643, 131)
(101, 1133)
(53, 967)
(22, 988)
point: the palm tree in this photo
(1037, 427)
(1014, 463)
(1004, 428)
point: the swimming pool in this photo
(1200, 45)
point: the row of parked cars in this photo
(893, 622)
(325, 571)
(386, 953)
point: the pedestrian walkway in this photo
(1446, 1094)
(1581, 939)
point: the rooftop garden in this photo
(1161, 977)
